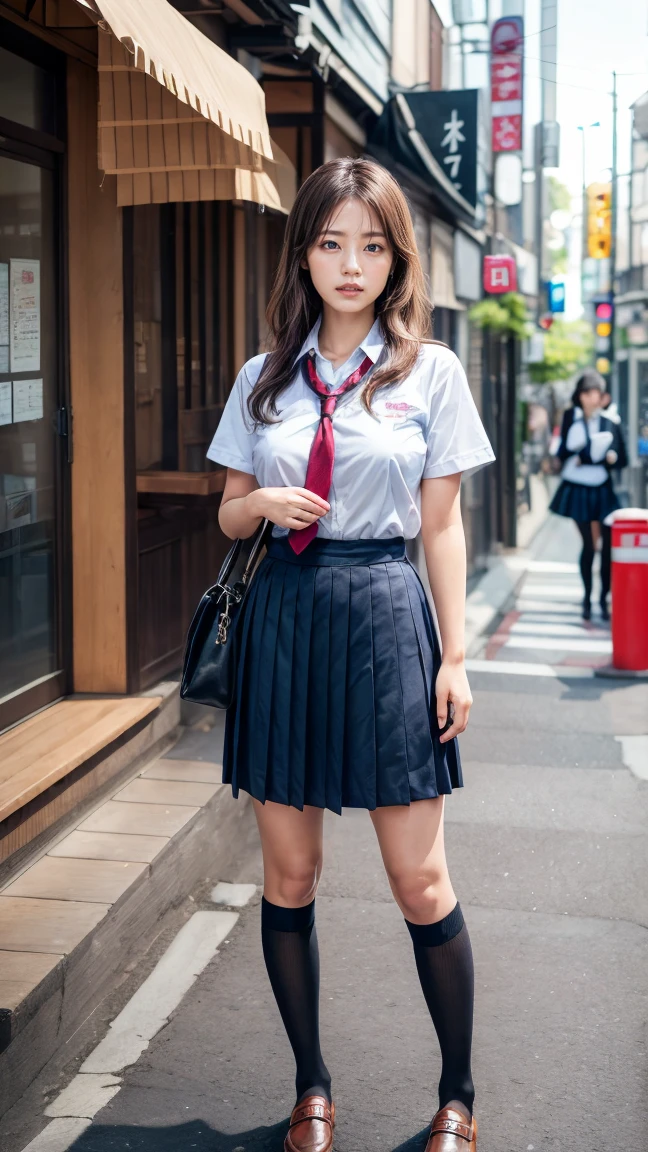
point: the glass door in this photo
(31, 663)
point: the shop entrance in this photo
(33, 441)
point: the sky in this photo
(594, 38)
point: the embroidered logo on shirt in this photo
(397, 410)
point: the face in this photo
(350, 262)
(590, 401)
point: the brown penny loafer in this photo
(311, 1126)
(451, 1132)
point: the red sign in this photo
(507, 133)
(507, 83)
(500, 274)
(506, 78)
(507, 35)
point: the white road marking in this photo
(567, 645)
(518, 668)
(150, 1007)
(548, 628)
(528, 604)
(132, 1030)
(634, 750)
(85, 1095)
(552, 617)
(572, 593)
(233, 895)
(519, 562)
(58, 1136)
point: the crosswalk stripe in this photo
(546, 628)
(570, 644)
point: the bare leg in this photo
(413, 852)
(292, 861)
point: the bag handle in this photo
(260, 541)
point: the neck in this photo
(341, 332)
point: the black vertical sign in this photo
(447, 121)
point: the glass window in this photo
(28, 442)
(27, 93)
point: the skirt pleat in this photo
(359, 787)
(390, 703)
(337, 687)
(447, 761)
(300, 780)
(334, 703)
(584, 502)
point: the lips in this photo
(350, 289)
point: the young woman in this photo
(350, 436)
(591, 445)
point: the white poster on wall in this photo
(4, 304)
(5, 402)
(25, 315)
(27, 400)
(4, 357)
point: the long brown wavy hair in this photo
(404, 307)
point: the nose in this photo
(351, 262)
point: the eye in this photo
(333, 245)
(374, 247)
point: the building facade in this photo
(133, 285)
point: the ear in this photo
(303, 263)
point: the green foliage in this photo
(505, 314)
(568, 346)
(558, 194)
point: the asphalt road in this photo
(547, 846)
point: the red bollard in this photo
(630, 589)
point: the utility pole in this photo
(548, 51)
(613, 222)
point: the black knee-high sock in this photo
(586, 557)
(445, 967)
(292, 960)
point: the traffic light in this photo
(599, 220)
(604, 313)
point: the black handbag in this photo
(211, 651)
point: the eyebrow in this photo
(333, 232)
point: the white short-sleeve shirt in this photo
(426, 425)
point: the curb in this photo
(55, 1008)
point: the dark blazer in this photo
(606, 425)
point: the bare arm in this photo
(244, 505)
(445, 556)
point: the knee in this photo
(421, 895)
(293, 885)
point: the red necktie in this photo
(319, 473)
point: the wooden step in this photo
(41, 751)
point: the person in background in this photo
(591, 444)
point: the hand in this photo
(288, 507)
(611, 456)
(452, 688)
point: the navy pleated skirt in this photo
(334, 702)
(583, 502)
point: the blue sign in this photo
(556, 295)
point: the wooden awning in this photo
(179, 119)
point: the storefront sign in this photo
(27, 400)
(447, 122)
(24, 317)
(507, 81)
(500, 274)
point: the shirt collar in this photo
(372, 345)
